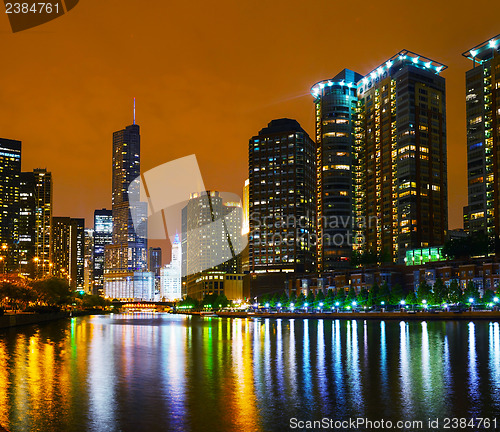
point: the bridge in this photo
(144, 306)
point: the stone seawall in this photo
(14, 320)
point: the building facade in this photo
(103, 236)
(42, 194)
(401, 136)
(68, 248)
(282, 184)
(10, 170)
(483, 138)
(337, 166)
(171, 276)
(212, 237)
(125, 259)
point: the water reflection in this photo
(175, 373)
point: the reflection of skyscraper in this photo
(170, 275)
(483, 138)
(103, 232)
(10, 169)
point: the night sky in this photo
(207, 76)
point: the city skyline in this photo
(255, 94)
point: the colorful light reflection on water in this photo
(147, 372)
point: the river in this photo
(161, 372)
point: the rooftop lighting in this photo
(428, 64)
(388, 64)
(473, 53)
(414, 60)
(493, 43)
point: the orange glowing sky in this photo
(207, 76)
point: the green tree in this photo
(424, 292)
(411, 298)
(320, 298)
(340, 296)
(471, 292)
(439, 292)
(329, 299)
(53, 291)
(310, 299)
(292, 299)
(362, 297)
(384, 294)
(274, 300)
(488, 296)
(454, 292)
(373, 295)
(351, 297)
(397, 294)
(221, 301)
(284, 300)
(301, 299)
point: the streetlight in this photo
(402, 302)
(495, 299)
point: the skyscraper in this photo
(26, 245)
(68, 250)
(336, 168)
(103, 235)
(88, 259)
(10, 169)
(170, 275)
(483, 138)
(155, 260)
(212, 238)
(400, 185)
(282, 183)
(42, 183)
(128, 251)
(125, 262)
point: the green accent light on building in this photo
(424, 255)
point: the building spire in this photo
(134, 110)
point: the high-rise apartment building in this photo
(68, 244)
(10, 170)
(103, 235)
(88, 262)
(337, 168)
(213, 242)
(282, 196)
(483, 138)
(42, 247)
(26, 244)
(170, 275)
(400, 186)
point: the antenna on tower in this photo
(134, 110)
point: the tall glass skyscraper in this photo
(399, 198)
(125, 259)
(282, 180)
(103, 235)
(336, 168)
(128, 251)
(10, 170)
(483, 138)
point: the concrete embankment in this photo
(402, 316)
(20, 319)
